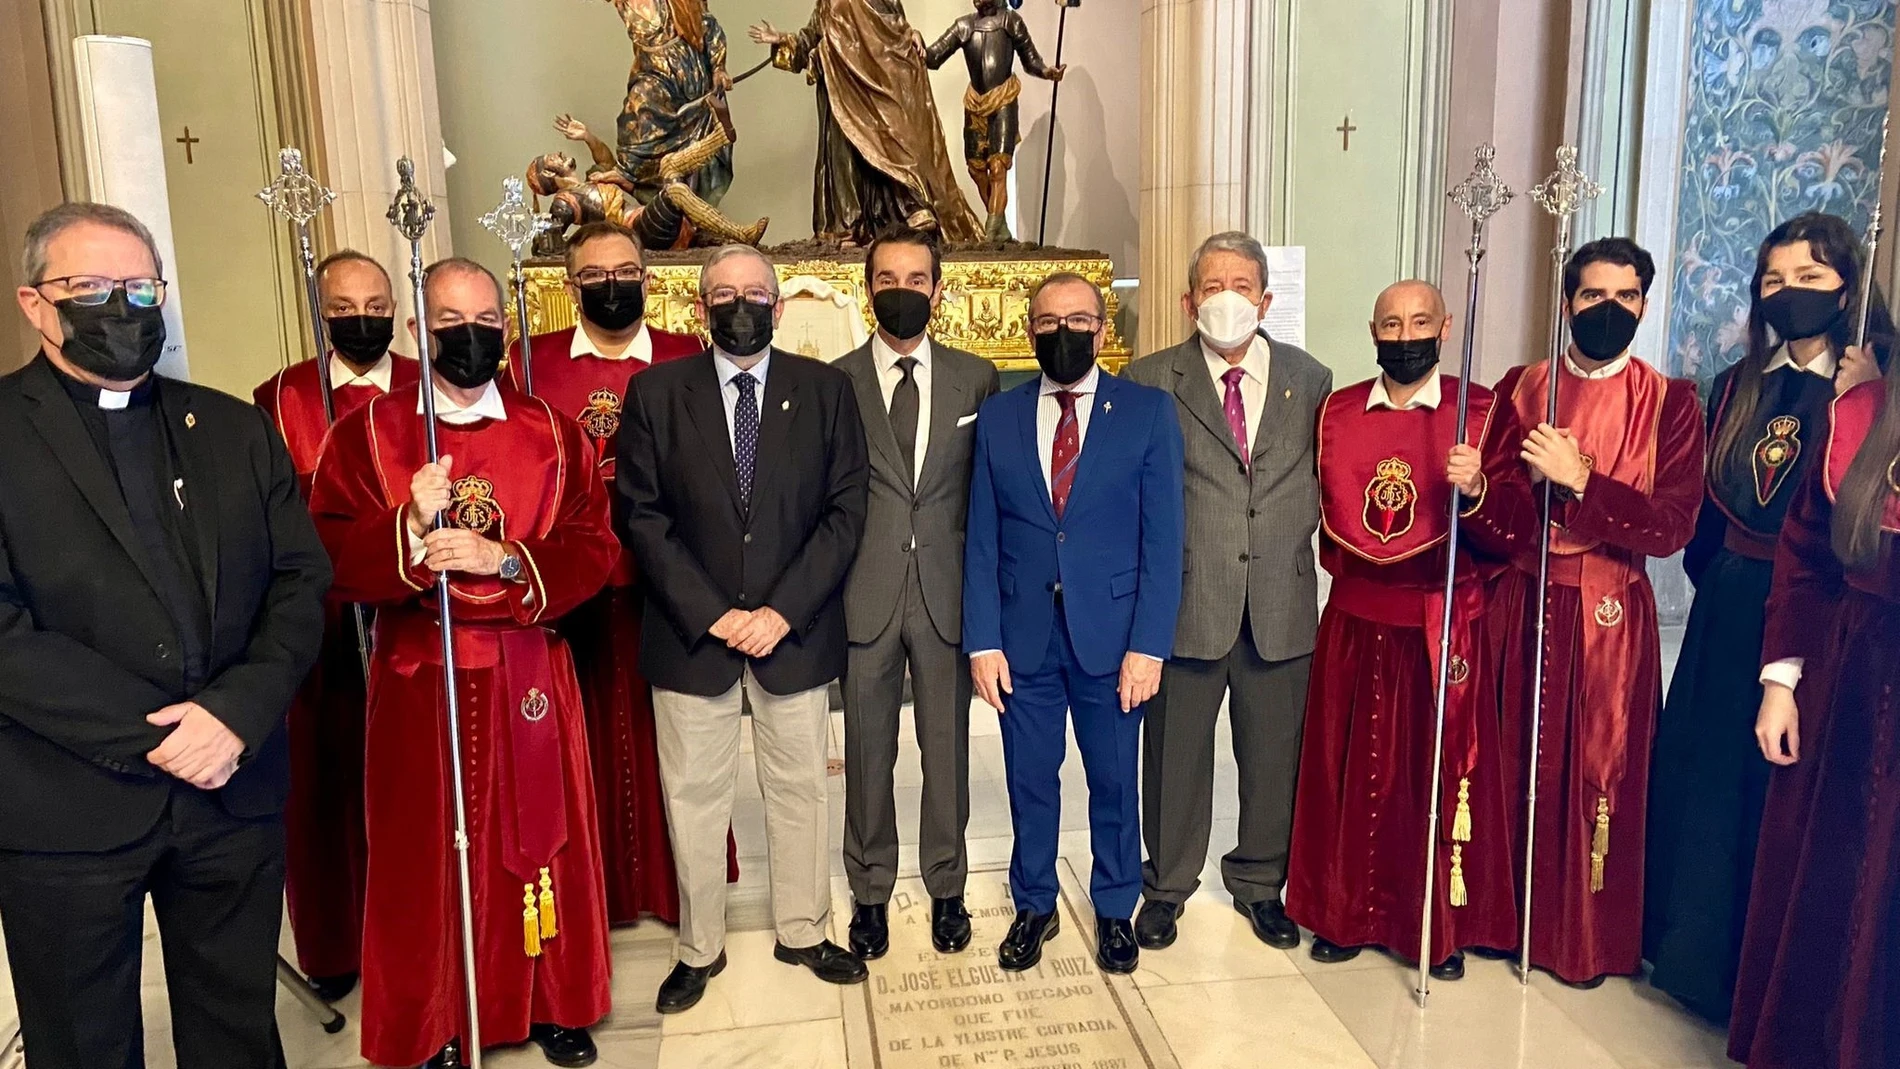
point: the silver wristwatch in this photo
(511, 567)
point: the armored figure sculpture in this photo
(675, 217)
(991, 39)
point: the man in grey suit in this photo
(904, 597)
(1249, 608)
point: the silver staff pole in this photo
(1873, 247)
(297, 196)
(411, 213)
(1561, 194)
(516, 225)
(1480, 196)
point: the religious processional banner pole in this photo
(1480, 196)
(1561, 194)
(410, 213)
(517, 225)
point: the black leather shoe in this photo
(686, 985)
(949, 925)
(871, 931)
(827, 961)
(1154, 925)
(1115, 948)
(333, 988)
(1582, 985)
(1491, 953)
(449, 1057)
(1327, 952)
(1452, 968)
(570, 1048)
(1022, 947)
(1270, 923)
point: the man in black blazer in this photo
(742, 476)
(161, 598)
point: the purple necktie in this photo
(1236, 411)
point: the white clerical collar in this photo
(1085, 387)
(1428, 396)
(886, 357)
(114, 400)
(640, 348)
(1254, 362)
(1823, 365)
(487, 406)
(341, 374)
(1607, 371)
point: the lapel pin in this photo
(1288, 394)
(190, 421)
(1108, 406)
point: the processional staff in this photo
(1873, 244)
(1055, 97)
(297, 196)
(517, 225)
(1561, 194)
(410, 213)
(1480, 196)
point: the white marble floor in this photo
(1217, 998)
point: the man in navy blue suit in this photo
(1071, 582)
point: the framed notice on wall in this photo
(1286, 278)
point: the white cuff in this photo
(1786, 672)
(1150, 656)
(980, 653)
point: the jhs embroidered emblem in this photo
(1460, 670)
(1609, 612)
(474, 507)
(534, 707)
(1391, 500)
(1775, 455)
(602, 417)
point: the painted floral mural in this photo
(1786, 99)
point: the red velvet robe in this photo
(526, 479)
(1642, 434)
(1356, 873)
(325, 851)
(605, 637)
(1819, 983)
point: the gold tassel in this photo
(1461, 820)
(1600, 844)
(530, 923)
(548, 928)
(1458, 875)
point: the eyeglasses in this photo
(594, 276)
(92, 290)
(754, 295)
(1080, 322)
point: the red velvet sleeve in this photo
(364, 534)
(1658, 524)
(1506, 515)
(1808, 578)
(574, 560)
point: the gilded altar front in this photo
(985, 307)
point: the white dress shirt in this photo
(1607, 371)
(1253, 385)
(342, 374)
(1787, 671)
(729, 391)
(1429, 395)
(487, 406)
(889, 375)
(640, 348)
(1049, 414)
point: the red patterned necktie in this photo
(1068, 449)
(1236, 410)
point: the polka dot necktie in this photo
(745, 432)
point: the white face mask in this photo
(1226, 319)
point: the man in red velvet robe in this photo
(583, 371)
(528, 540)
(1388, 462)
(1626, 461)
(326, 853)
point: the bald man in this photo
(1389, 464)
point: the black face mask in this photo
(903, 313)
(468, 354)
(116, 341)
(614, 305)
(1406, 362)
(1801, 313)
(740, 328)
(361, 339)
(1065, 355)
(1604, 330)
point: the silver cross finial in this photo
(410, 212)
(1566, 188)
(1482, 194)
(513, 221)
(295, 195)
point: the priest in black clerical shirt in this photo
(161, 597)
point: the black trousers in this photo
(74, 927)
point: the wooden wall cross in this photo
(188, 141)
(1346, 129)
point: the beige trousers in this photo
(699, 769)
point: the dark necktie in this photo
(745, 432)
(1068, 449)
(904, 405)
(1236, 410)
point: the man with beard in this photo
(326, 854)
(527, 540)
(1389, 464)
(583, 371)
(1625, 460)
